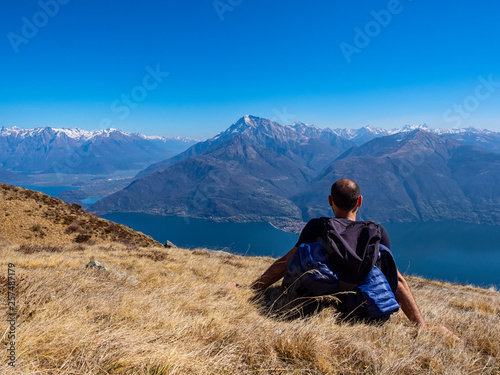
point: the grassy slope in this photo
(181, 318)
(28, 216)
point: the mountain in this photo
(246, 173)
(362, 135)
(414, 176)
(307, 145)
(235, 180)
(483, 138)
(55, 150)
(258, 170)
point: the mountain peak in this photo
(302, 127)
(250, 120)
(409, 128)
(372, 128)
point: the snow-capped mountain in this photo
(246, 172)
(74, 133)
(80, 134)
(484, 138)
(358, 136)
(60, 150)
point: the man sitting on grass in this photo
(345, 200)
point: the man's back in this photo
(315, 229)
(345, 256)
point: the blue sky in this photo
(97, 64)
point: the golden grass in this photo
(181, 318)
(28, 217)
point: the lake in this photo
(240, 238)
(456, 252)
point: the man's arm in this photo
(407, 302)
(410, 308)
(274, 272)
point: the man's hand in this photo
(273, 273)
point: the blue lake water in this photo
(240, 238)
(456, 252)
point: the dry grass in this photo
(169, 311)
(181, 318)
(28, 216)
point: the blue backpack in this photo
(331, 266)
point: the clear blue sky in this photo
(282, 60)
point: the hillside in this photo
(162, 311)
(28, 217)
(235, 180)
(171, 311)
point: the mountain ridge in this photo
(56, 150)
(257, 130)
(81, 134)
(248, 160)
(259, 170)
(415, 176)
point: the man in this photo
(345, 200)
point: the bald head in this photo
(345, 194)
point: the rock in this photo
(169, 244)
(132, 279)
(97, 265)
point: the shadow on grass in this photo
(285, 304)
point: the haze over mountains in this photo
(258, 170)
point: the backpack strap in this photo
(387, 265)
